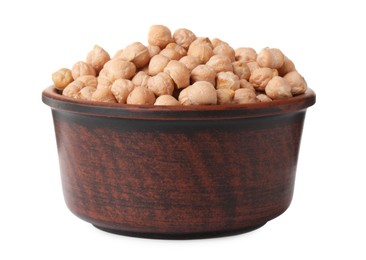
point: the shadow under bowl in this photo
(177, 172)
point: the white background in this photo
(325, 39)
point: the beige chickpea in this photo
(246, 54)
(203, 73)
(104, 81)
(89, 80)
(118, 54)
(140, 79)
(246, 84)
(141, 96)
(225, 96)
(166, 100)
(202, 40)
(201, 50)
(200, 93)
(226, 50)
(190, 62)
(86, 93)
(260, 77)
(181, 51)
(244, 96)
(252, 65)
(159, 35)
(278, 88)
(297, 82)
(82, 68)
(170, 53)
(103, 95)
(216, 42)
(72, 90)
(178, 72)
(184, 37)
(287, 67)
(161, 84)
(137, 53)
(270, 58)
(263, 98)
(241, 69)
(153, 50)
(157, 64)
(227, 80)
(97, 57)
(121, 88)
(220, 63)
(119, 69)
(62, 78)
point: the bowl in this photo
(181, 171)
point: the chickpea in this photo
(263, 98)
(121, 88)
(97, 57)
(202, 40)
(278, 88)
(103, 95)
(118, 69)
(62, 78)
(203, 73)
(241, 69)
(190, 62)
(153, 50)
(200, 50)
(157, 64)
(82, 68)
(178, 72)
(86, 93)
(216, 42)
(245, 54)
(220, 63)
(160, 36)
(226, 50)
(173, 51)
(252, 65)
(89, 80)
(141, 96)
(184, 37)
(225, 96)
(181, 51)
(118, 54)
(246, 84)
(161, 84)
(140, 79)
(270, 58)
(297, 82)
(72, 90)
(227, 80)
(104, 81)
(260, 77)
(200, 93)
(244, 96)
(166, 100)
(287, 67)
(137, 53)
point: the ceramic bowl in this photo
(180, 171)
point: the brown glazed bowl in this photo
(179, 171)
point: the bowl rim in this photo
(52, 98)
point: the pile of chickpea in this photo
(181, 69)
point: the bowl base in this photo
(181, 236)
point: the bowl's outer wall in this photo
(177, 176)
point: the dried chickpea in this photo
(225, 96)
(179, 49)
(103, 95)
(141, 96)
(137, 53)
(278, 88)
(121, 88)
(97, 57)
(246, 84)
(159, 35)
(216, 42)
(287, 67)
(245, 54)
(226, 50)
(72, 90)
(171, 54)
(260, 77)
(62, 78)
(166, 100)
(241, 69)
(244, 96)
(104, 81)
(153, 50)
(140, 79)
(220, 63)
(200, 50)
(252, 65)
(161, 84)
(200, 93)
(263, 98)
(203, 73)
(190, 62)
(204, 40)
(86, 93)
(157, 64)
(89, 80)
(178, 72)
(118, 69)
(82, 68)
(184, 37)
(227, 80)
(270, 58)
(297, 82)
(118, 54)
